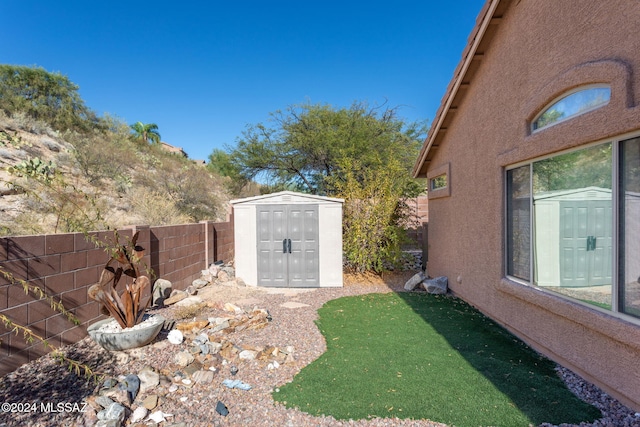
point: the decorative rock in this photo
(150, 402)
(231, 272)
(183, 358)
(175, 337)
(188, 326)
(161, 291)
(116, 394)
(223, 276)
(148, 379)
(214, 347)
(131, 384)
(138, 415)
(191, 290)
(202, 377)
(110, 382)
(414, 281)
(173, 388)
(221, 326)
(115, 412)
(236, 384)
(175, 297)
(222, 409)
(193, 368)
(201, 339)
(437, 286)
(247, 354)
(233, 308)
(104, 401)
(199, 283)
(213, 270)
(241, 283)
(158, 417)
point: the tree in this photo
(307, 143)
(146, 132)
(361, 154)
(44, 96)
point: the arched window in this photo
(575, 103)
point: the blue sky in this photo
(203, 70)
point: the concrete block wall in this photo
(419, 218)
(66, 265)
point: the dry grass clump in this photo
(188, 311)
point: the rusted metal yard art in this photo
(126, 307)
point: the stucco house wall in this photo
(521, 56)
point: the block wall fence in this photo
(66, 265)
(419, 207)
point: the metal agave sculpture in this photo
(126, 307)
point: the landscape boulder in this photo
(437, 286)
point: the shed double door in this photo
(288, 253)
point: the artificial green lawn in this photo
(421, 356)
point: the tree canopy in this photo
(44, 96)
(146, 132)
(309, 146)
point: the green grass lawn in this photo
(422, 356)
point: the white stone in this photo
(158, 417)
(139, 414)
(175, 337)
(247, 355)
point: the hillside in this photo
(102, 179)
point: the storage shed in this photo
(288, 239)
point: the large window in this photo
(561, 225)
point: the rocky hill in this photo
(98, 180)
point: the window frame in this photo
(435, 173)
(616, 287)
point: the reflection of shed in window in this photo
(571, 105)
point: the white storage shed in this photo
(288, 239)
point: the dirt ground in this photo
(231, 292)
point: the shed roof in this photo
(282, 196)
(486, 26)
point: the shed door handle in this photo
(284, 246)
(289, 244)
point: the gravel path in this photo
(292, 327)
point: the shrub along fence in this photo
(66, 265)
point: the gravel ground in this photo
(46, 382)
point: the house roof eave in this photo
(458, 84)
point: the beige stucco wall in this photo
(540, 50)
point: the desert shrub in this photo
(188, 311)
(154, 208)
(373, 216)
(191, 188)
(99, 157)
